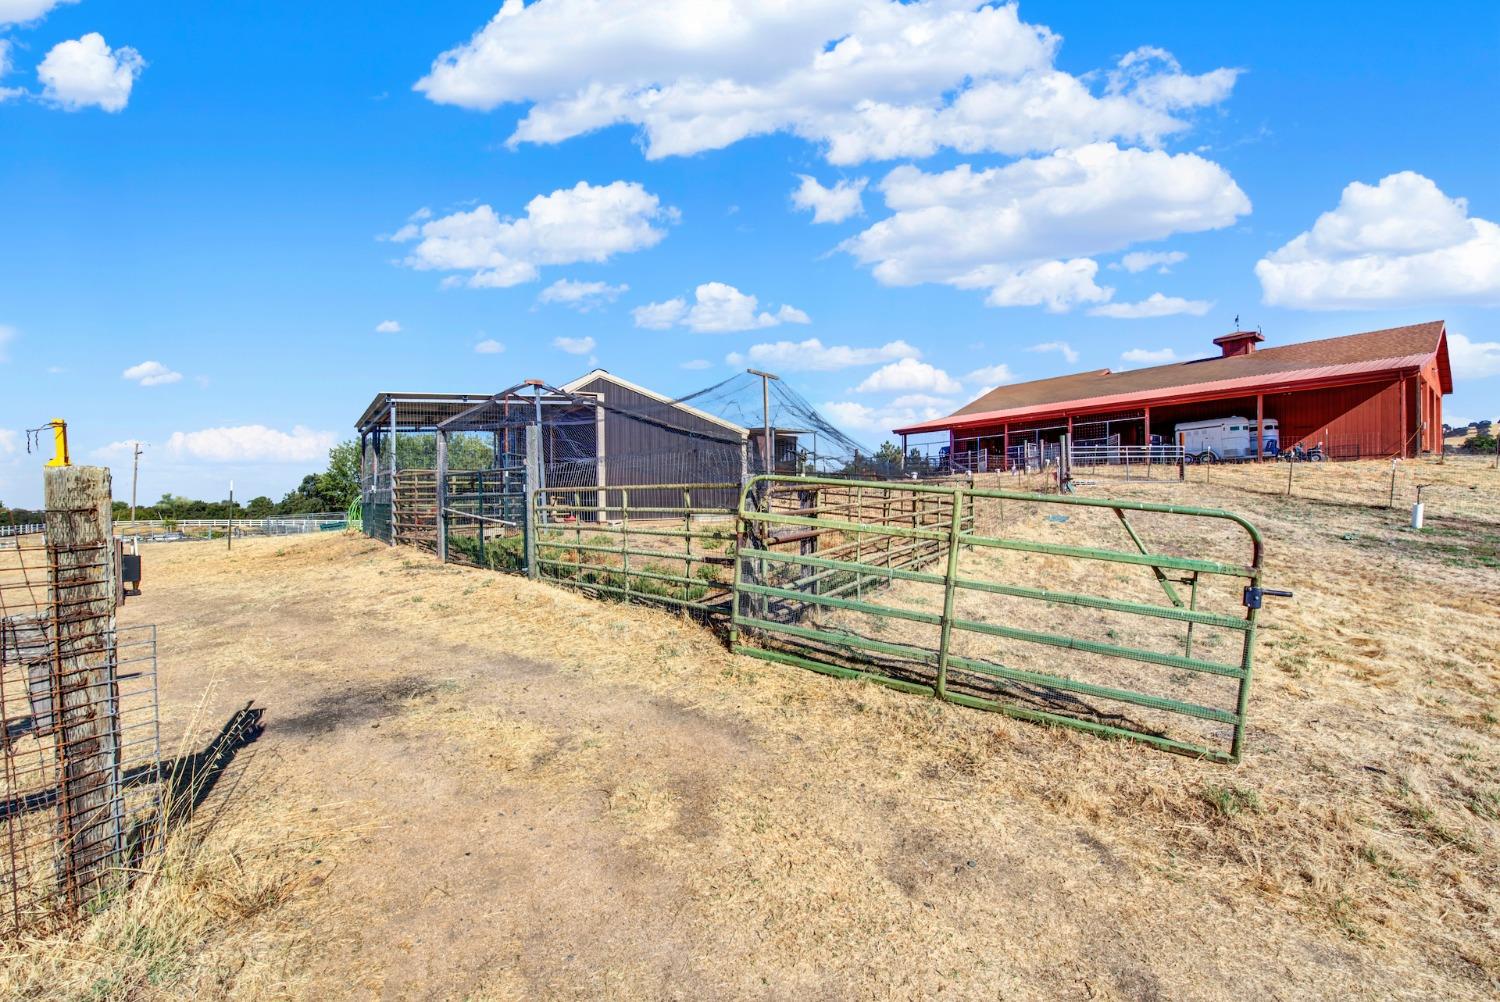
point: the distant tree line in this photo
(331, 490)
(1482, 440)
(19, 516)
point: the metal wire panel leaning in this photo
(1121, 618)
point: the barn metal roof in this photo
(604, 374)
(1289, 366)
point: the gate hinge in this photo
(1254, 595)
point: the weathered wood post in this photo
(81, 551)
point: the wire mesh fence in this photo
(80, 783)
(1458, 487)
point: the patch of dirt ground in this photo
(520, 792)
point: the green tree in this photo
(1482, 442)
(888, 455)
(419, 452)
(339, 484)
(260, 507)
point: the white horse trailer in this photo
(1226, 438)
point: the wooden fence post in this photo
(80, 541)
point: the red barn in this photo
(1372, 395)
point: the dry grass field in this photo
(472, 786)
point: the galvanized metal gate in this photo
(1121, 618)
(1049, 608)
(664, 544)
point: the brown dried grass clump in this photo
(216, 913)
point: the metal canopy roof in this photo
(430, 404)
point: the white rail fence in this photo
(290, 525)
(1124, 455)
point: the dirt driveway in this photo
(530, 794)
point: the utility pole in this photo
(135, 473)
(768, 451)
(229, 536)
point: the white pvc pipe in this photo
(1416, 515)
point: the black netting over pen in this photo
(599, 431)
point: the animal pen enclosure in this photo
(968, 594)
(441, 468)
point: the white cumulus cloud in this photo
(581, 296)
(20, 11)
(252, 443)
(151, 373)
(116, 450)
(1067, 351)
(1138, 261)
(830, 205)
(388, 327)
(908, 375)
(813, 355)
(1154, 305)
(1473, 359)
(8, 439)
(1401, 242)
(489, 346)
(875, 423)
(575, 345)
(6, 93)
(1025, 231)
(85, 73)
(716, 308)
(583, 223)
(864, 79)
(991, 376)
(1137, 357)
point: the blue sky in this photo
(225, 201)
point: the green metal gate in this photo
(1122, 618)
(662, 544)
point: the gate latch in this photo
(1253, 596)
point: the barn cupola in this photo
(1239, 343)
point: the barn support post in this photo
(1405, 424)
(84, 689)
(1147, 443)
(533, 487)
(394, 465)
(1005, 458)
(601, 469)
(903, 453)
(441, 491)
(1260, 427)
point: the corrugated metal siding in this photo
(661, 445)
(1364, 419)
